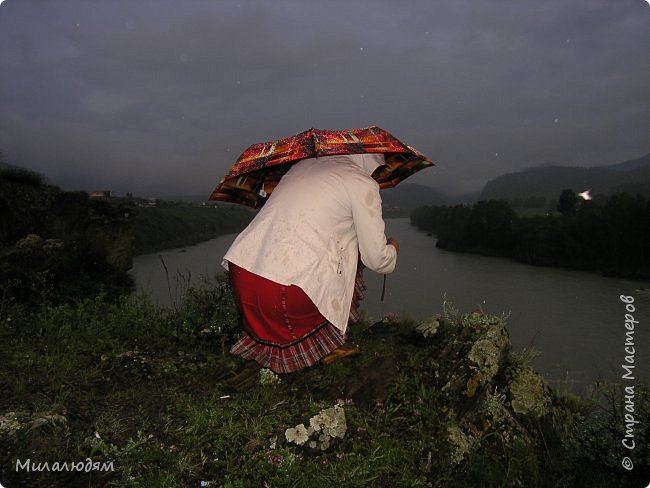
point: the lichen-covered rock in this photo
(298, 434)
(488, 351)
(47, 419)
(12, 422)
(9, 423)
(429, 327)
(529, 395)
(488, 389)
(331, 421)
(461, 443)
(30, 240)
(325, 426)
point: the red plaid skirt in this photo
(284, 331)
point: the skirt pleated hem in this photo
(291, 357)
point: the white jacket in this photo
(320, 216)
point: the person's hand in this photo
(393, 242)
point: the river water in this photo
(576, 320)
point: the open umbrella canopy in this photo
(260, 167)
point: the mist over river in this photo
(577, 320)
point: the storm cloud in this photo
(160, 97)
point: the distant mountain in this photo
(407, 196)
(632, 164)
(548, 181)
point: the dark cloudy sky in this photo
(159, 97)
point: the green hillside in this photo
(58, 246)
(174, 225)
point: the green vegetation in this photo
(532, 211)
(59, 247)
(174, 225)
(140, 396)
(611, 236)
(156, 392)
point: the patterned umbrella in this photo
(260, 167)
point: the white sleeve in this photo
(370, 227)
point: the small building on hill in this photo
(101, 195)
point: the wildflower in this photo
(275, 459)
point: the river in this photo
(576, 320)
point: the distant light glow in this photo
(585, 195)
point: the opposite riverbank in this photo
(171, 225)
(609, 236)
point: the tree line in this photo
(60, 246)
(610, 236)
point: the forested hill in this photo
(611, 237)
(399, 201)
(177, 224)
(59, 246)
(548, 181)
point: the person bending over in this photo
(294, 268)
